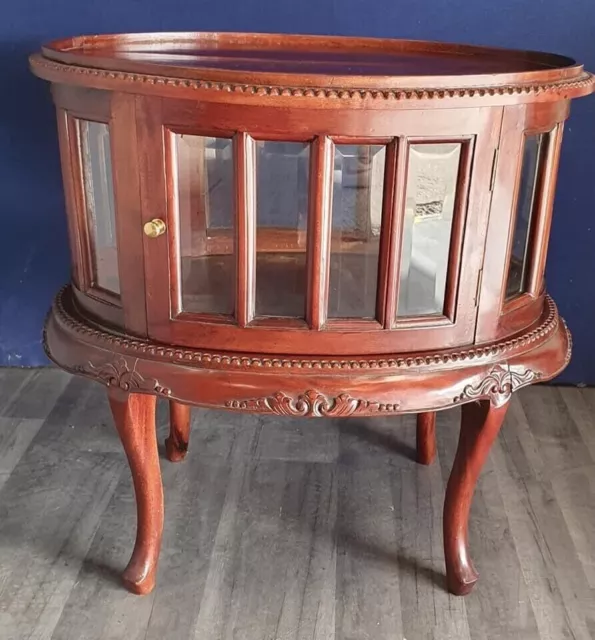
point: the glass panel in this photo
(99, 202)
(429, 209)
(205, 209)
(358, 180)
(281, 213)
(517, 270)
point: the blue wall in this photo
(34, 247)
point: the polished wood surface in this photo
(326, 56)
(163, 333)
(309, 54)
(426, 437)
(480, 423)
(349, 524)
(412, 73)
(134, 417)
(176, 444)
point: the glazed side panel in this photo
(497, 316)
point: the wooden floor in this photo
(285, 529)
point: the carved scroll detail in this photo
(499, 384)
(311, 404)
(117, 374)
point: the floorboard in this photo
(288, 529)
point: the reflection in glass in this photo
(517, 270)
(99, 203)
(427, 227)
(281, 214)
(205, 210)
(358, 179)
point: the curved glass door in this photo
(360, 242)
(205, 201)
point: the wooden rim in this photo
(253, 384)
(93, 57)
(72, 322)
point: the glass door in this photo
(365, 244)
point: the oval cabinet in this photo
(307, 226)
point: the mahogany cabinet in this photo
(307, 226)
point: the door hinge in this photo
(494, 166)
(478, 289)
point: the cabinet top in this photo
(294, 65)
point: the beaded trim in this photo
(209, 359)
(583, 82)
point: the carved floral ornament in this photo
(117, 373)
(499, 384)
(311, 404)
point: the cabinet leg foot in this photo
(480, 424)
(176, 444)
(426, 437)
(134, 415)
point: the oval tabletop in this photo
(251, 62)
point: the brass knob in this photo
(155, 228)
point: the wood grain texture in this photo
(53, 500)
(350, 526)
(28, 400)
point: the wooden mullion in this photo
(542, 215)
(398, 166)
(384, 306)
(319, 231)
(245, 222)
(458, 229)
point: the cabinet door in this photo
(355, 233)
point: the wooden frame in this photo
(147, 345)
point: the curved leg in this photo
(176, 445)
(480, 424)
(134, 415)
(426, 437)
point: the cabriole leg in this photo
(176, 445)
(134, 415)
(480, 424)
(426, 437)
